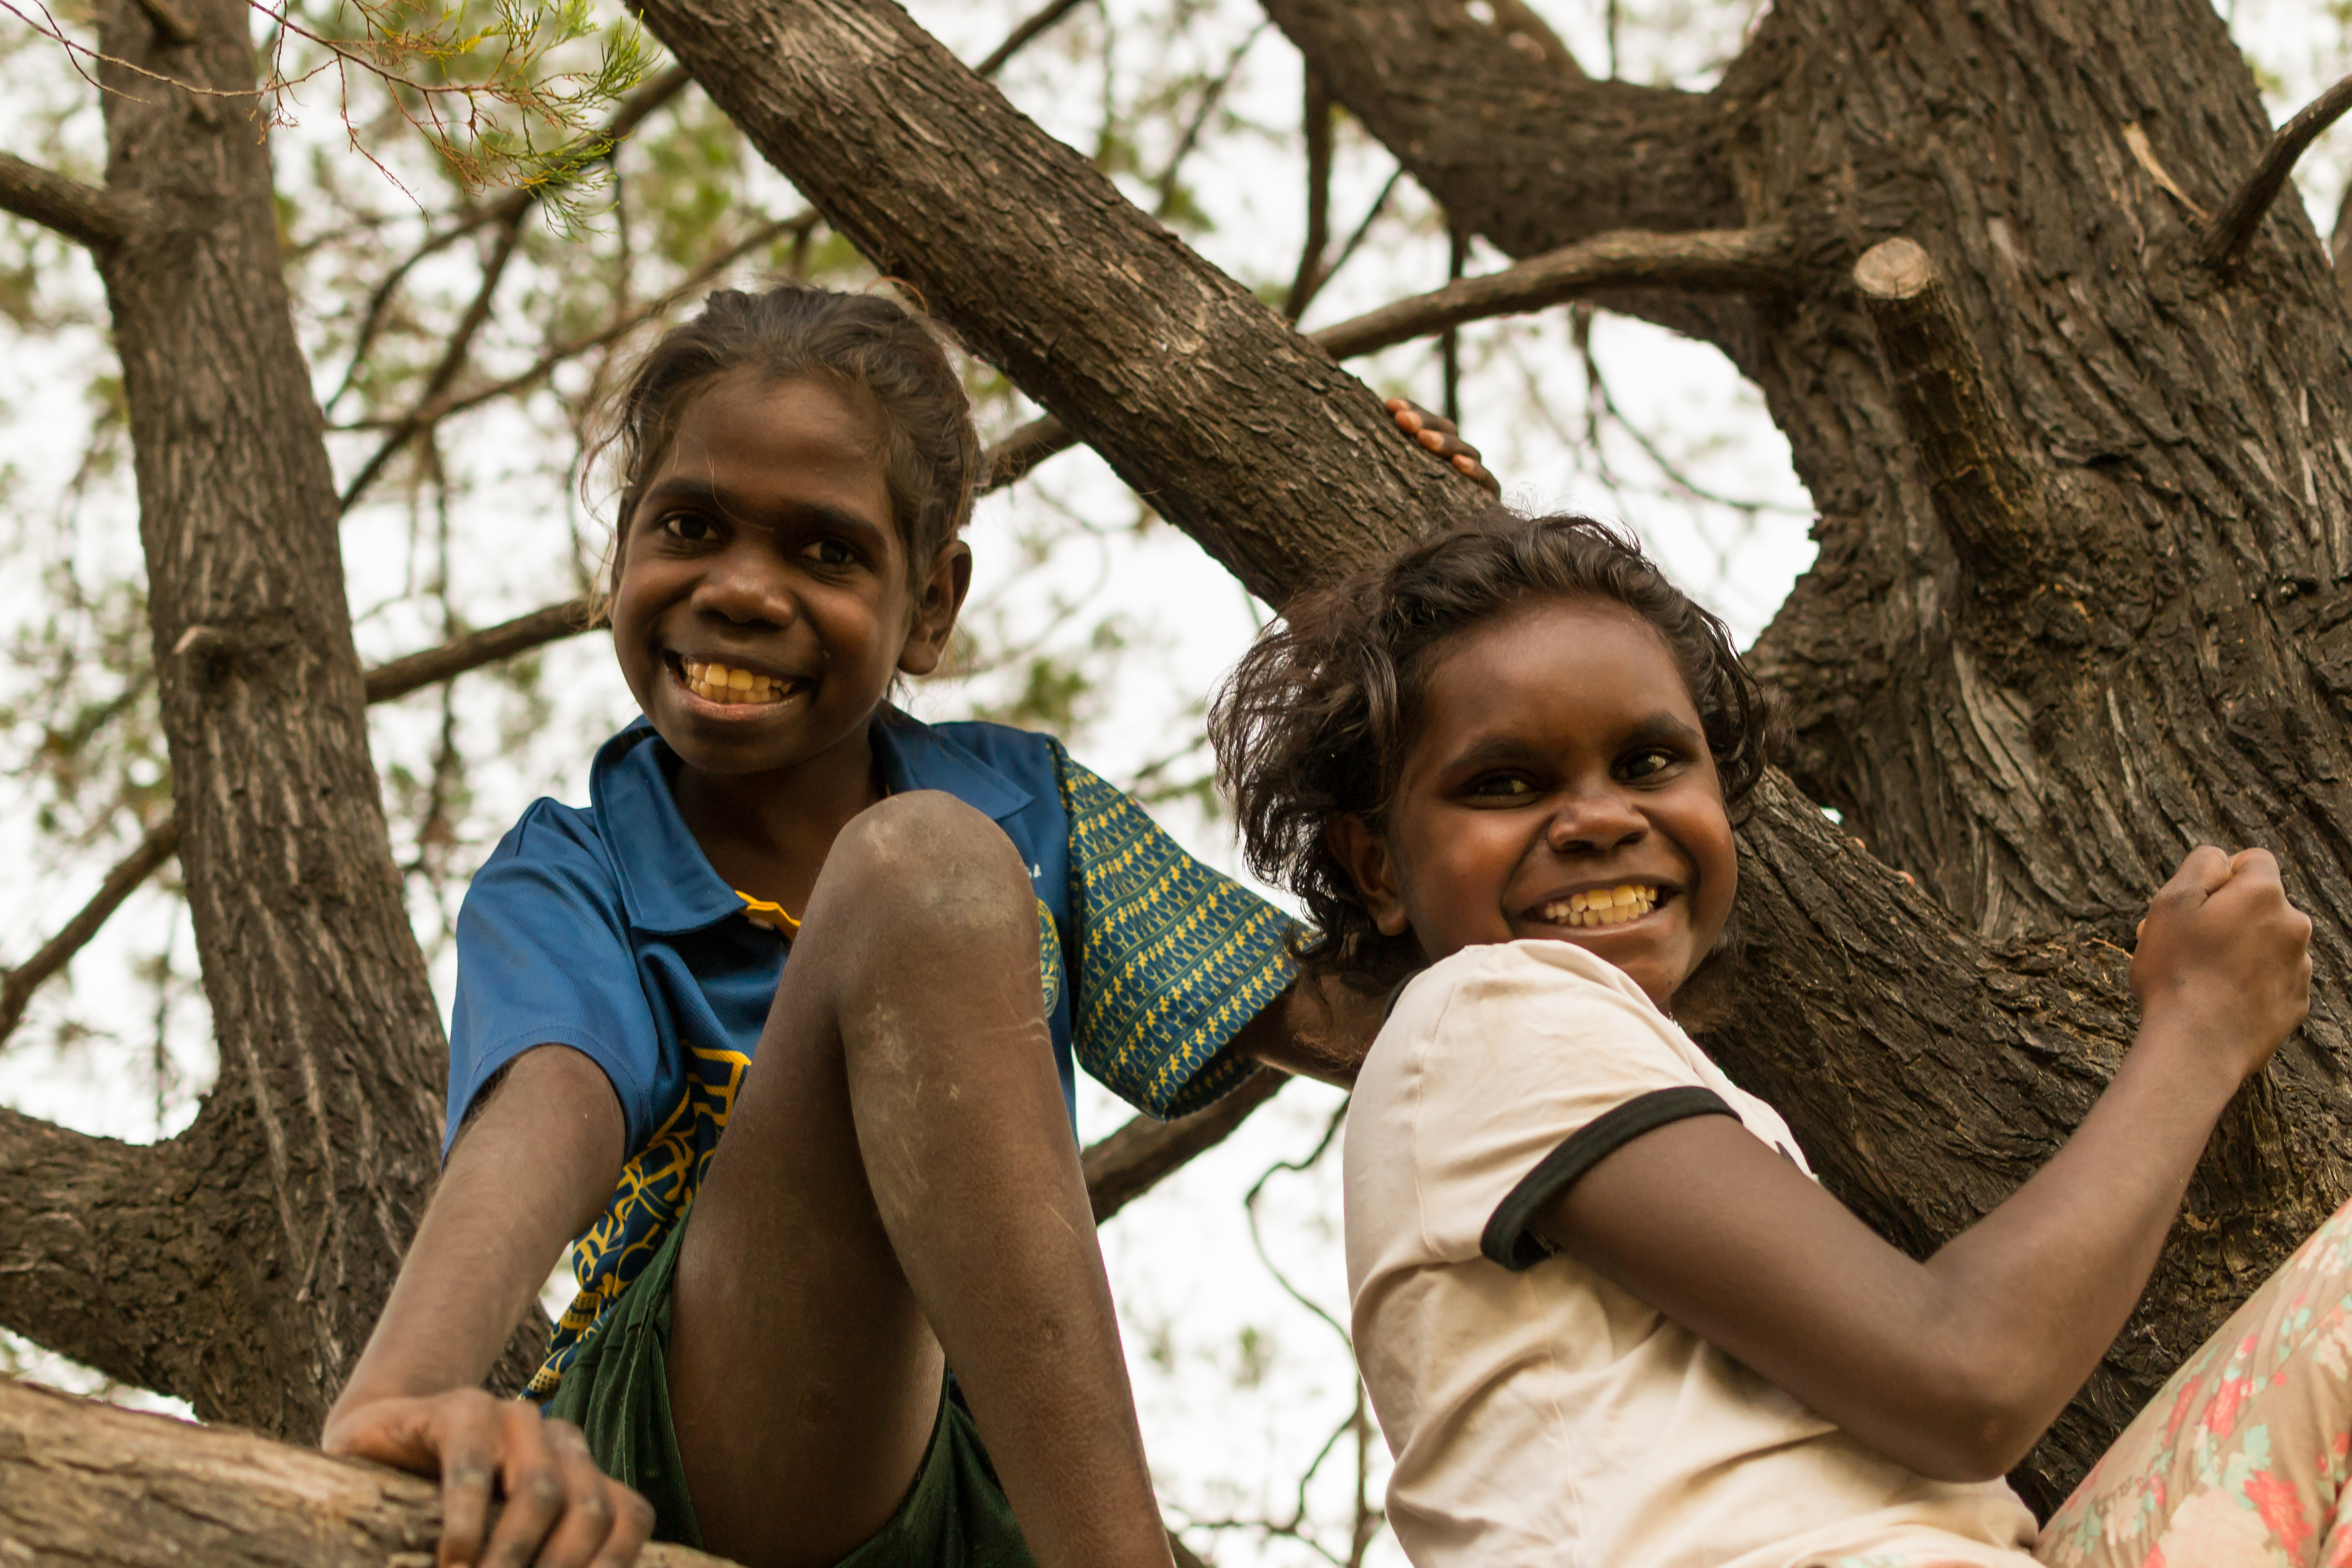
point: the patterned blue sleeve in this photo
(1172, 958)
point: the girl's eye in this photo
(1499, 787)
(831, 552)
(686, 527)
(1646, 763)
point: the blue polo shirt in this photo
(606, 930)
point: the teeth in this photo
(1602, 906)
(725, 683)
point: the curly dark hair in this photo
(864, 342)
(1315, 721)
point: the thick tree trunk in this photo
(90, 1485)
(2037, 737)
(241, 1266)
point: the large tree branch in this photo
(1517, 149)
(84, 214)
(84, 1483)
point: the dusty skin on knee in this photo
(924, 865)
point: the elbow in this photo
(1986, 1419)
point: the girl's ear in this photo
(1372, 868)
(938, 598)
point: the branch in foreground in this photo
(84, 214)
(2233, 229)
(1700, 262)
(86, 1483)
(1133, 1160)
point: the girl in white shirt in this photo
(1606, 1315)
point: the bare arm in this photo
(530, 1172)
(1320, 1027)
(1955, 1366)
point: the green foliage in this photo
(496, 92)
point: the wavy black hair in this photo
(1314, 723)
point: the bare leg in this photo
(898, 1176)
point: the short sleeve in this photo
(1528, 1072)
(544, 958)
(1171, 958)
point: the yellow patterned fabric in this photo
(654, 1190)
(1172, 959)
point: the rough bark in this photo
(242, 1268)
(2040, 757)
(88, 1484)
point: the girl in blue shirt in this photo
(896, 1189)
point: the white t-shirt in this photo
(1538, 1413)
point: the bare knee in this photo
(924, 863)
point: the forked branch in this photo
(1988, 497)
(83, 214)
(2233, 229)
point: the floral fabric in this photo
(2240, 1460)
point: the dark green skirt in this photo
(617, 1392)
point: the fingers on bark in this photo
(1987, 496)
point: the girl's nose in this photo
(744, 589)
(1594, 822)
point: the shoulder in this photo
(1525, 1023)
(552, 849)
(1545, 987)
(998, 744)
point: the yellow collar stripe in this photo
(761, 913)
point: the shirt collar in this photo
(667, 884)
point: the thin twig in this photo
(1707, 261)
(508, 210)
(454, 355)
(17, 988)
(2226, 239)
(426, 414)
(1018, 39)
(1212, 94)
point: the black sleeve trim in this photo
(1506, 1239)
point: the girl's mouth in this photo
(731, 686)
(1603, 906)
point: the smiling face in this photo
(764, 600)
(1560, 788)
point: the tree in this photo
(2078, 601)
